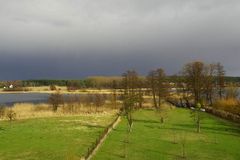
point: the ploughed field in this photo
(53, 138)
(175, 139)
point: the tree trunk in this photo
(162, 120)
(198, 125)
(159, 100)
(154, 98)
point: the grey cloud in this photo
(164, 33)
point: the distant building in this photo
(11, 86)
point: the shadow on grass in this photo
(145, 121)
(171, 128)
(218, 129)
(163, 153)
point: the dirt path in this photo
(103, 139)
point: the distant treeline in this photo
(227, 79)
(98, 82)
(233, 80)
(44, 82)
(90, 82)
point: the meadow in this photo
(175, 139)
(52, 137)
(38, 133)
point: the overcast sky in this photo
(78, 38)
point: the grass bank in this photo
(54, 138)
(219, 139)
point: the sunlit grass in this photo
(65, 137)
(149, 139)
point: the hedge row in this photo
(98, 140)
(223, 114)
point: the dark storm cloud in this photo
(73, 39)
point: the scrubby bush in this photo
(230, 105)
(99, 100)
(2, 112)
(72, 104)
(11, 115)
(56, 99)
(232, 92)
(53, 87)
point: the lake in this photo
(8, 99)
(11, 98)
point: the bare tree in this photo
(210, 71)
(114, 93)
(194, 74)
(197, 116)
(202, 80)
(158, 85)
(140, 93)
(183, 91)
(159, 88)
(151, 78)
(99, 101)
(162, 85)
(56, 99)
(220, 79)
(130, 96)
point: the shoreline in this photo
(93, 91)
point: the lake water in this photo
(11, 98)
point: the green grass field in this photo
(150, 140)
(50, 138)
